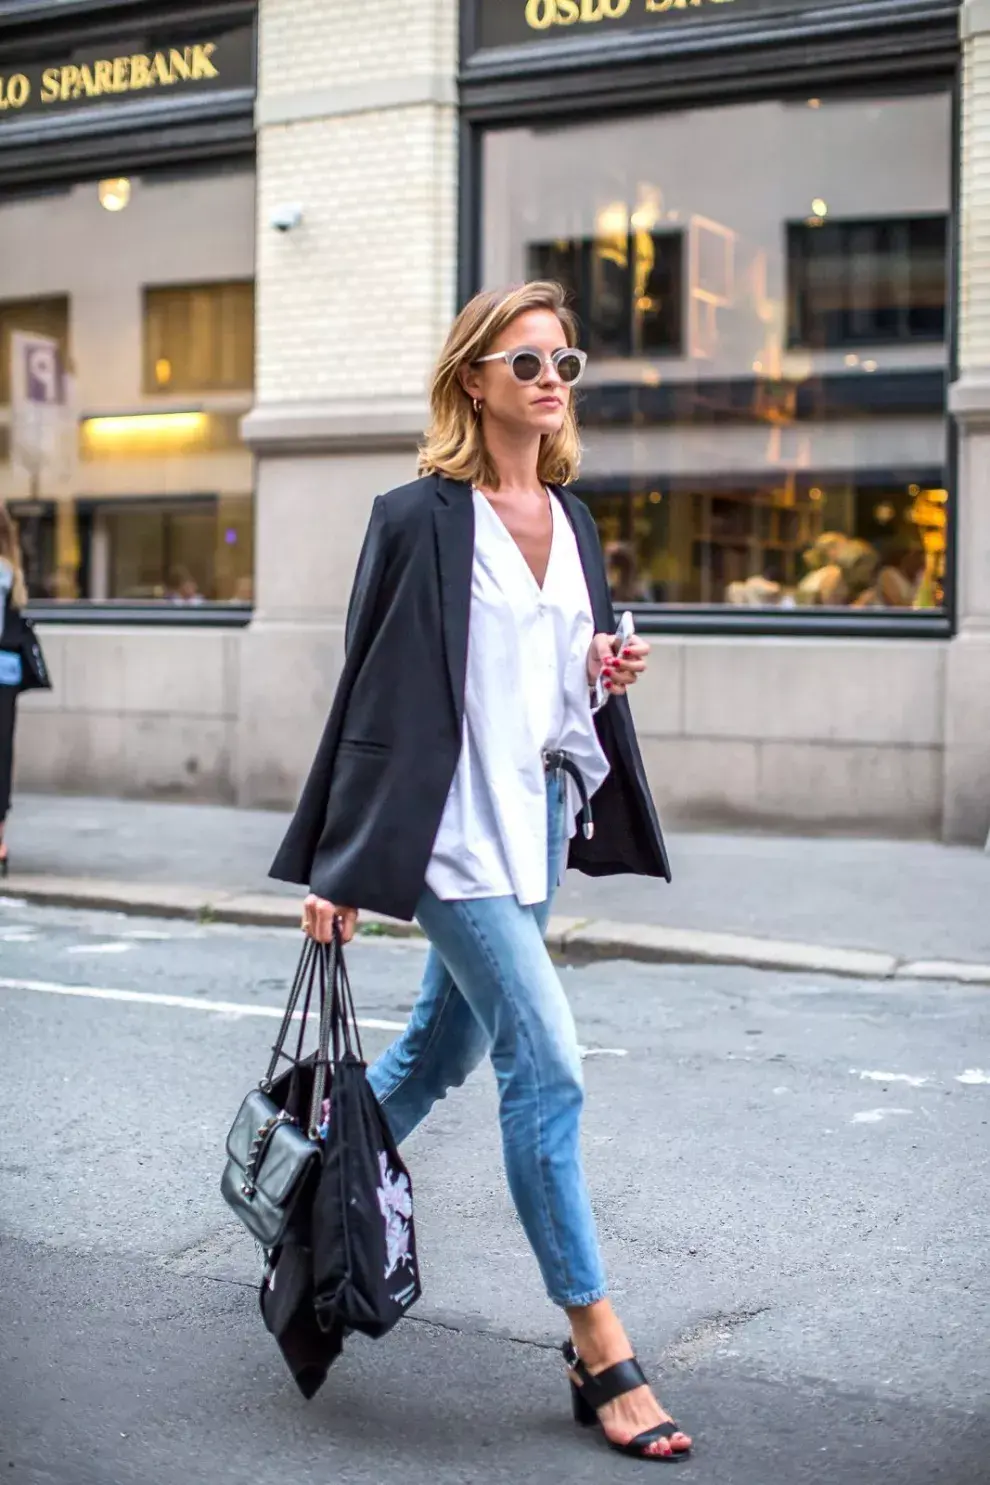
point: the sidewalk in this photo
(861, 907)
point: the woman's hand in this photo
(619, 671)
(318, 916)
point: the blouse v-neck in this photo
(525, 692)
(503, 528)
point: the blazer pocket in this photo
(363, 745)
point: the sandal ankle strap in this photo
(600, 1388)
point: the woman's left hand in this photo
(619, 671)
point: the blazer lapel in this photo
(590, 552)
(454, 523)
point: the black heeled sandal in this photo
(594, 1391)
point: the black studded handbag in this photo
(274, 1150)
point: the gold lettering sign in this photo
(542, 14)
(107, 76)
(14, 91)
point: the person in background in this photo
(624, 581)
(13, 597)
(182, 587)
(899, 581)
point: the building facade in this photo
(773, 220)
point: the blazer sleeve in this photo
(294, 859)
(367, 579)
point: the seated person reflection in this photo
(182, 587)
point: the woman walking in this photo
(12, 598)
(479, 741)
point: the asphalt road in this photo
(790, 1175)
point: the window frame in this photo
(906, 45)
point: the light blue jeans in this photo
(490, 988)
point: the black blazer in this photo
(369, 813)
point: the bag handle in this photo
(346, 1014)
(307, 962)
(326, 961)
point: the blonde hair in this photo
(454, 444)
(10, 551)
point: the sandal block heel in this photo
(596, 1390)
(584, 1414)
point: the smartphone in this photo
(624, 633)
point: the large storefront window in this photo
(123, 463)
(763, 290)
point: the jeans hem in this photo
(579, 1301)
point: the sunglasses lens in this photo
(527, 366)
(569, 367)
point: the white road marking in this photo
(234, 1008)
(886, 1077)
(229, 1009)
(973, 1075)
(152, 935)
(875, 1116)
(114, 948)
(17, 935)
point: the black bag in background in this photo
(19, 636)
(365, 1271)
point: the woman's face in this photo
(539, 406)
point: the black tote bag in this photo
(365, 1270)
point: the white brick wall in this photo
(355, 302)
(317, 43)
(974, 266)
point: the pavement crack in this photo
(489, 1332)
(710, 1334)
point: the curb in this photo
(581, 940)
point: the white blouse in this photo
(526, 691)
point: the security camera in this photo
(284, 218)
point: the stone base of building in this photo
(884, 738)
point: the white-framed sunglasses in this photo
(527, 363)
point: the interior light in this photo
(655, 497)
(852, 359)
(122, 427)
(163, 371)
(914, 489)
(114, 193)
(869, 366)
(819, 207)
(814, 103)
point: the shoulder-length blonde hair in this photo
(10, 551)
(454, 444)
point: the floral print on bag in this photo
(395, 1201)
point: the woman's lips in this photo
(547, 402)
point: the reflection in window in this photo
(626, 289)
(764, 408)
(199, 338)
(856, 544)
(150, 495)
(45, 316)
(186, 552)
(867, 283)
